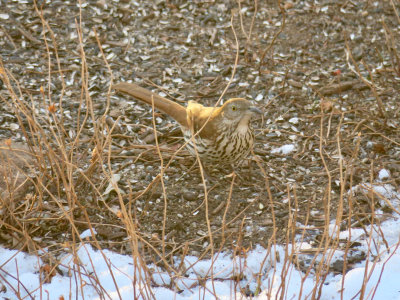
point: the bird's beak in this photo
(255, 109)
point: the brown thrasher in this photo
(226, 135)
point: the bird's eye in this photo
(233, 107)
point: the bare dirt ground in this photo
(326, 76)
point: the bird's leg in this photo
(247, 175)
(234, 173)
(249, 169)
(207, 173)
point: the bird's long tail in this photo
(173, 109)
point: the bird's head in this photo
(238, 110)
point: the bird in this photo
(219, 135)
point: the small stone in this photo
(190, 196)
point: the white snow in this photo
(103, 274)
(383, 174)
(285, 149)
(259, 97)
(87, 233)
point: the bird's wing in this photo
(198, 115)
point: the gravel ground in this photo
(325, 74)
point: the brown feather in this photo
(198, 115)
(173, 109)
